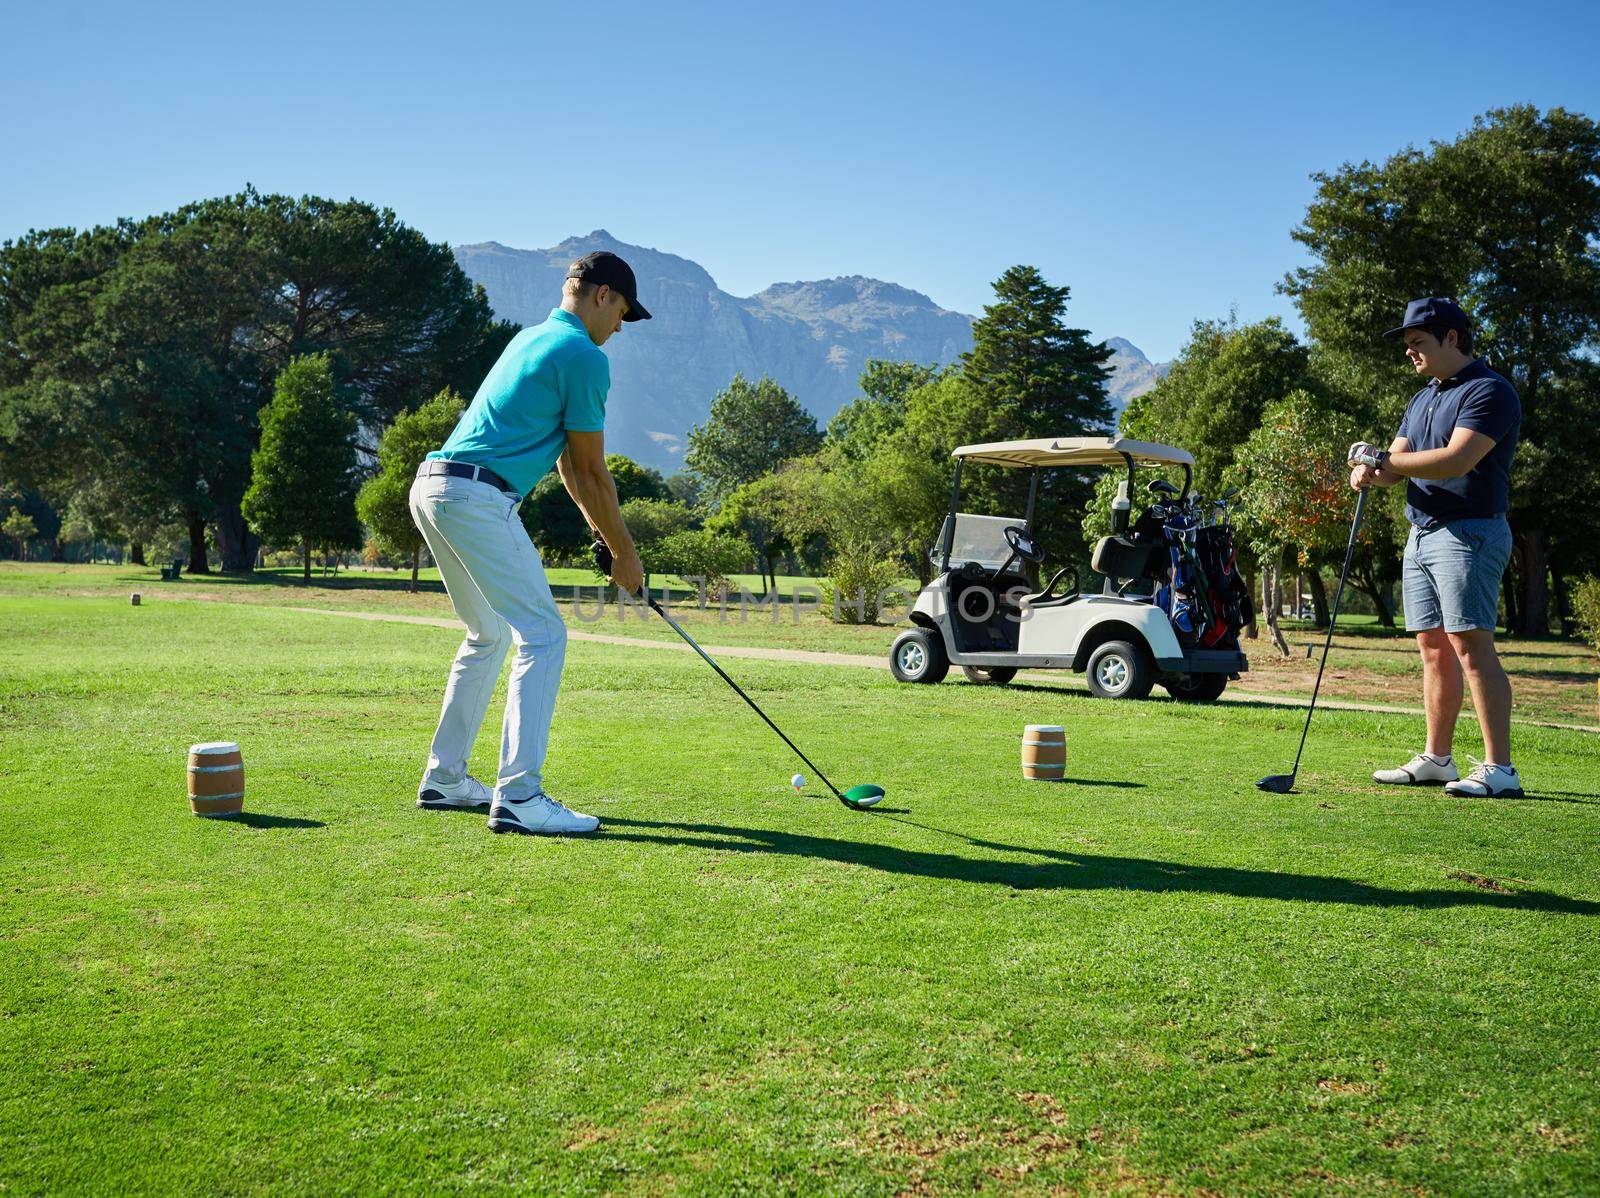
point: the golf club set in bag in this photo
(1204, 593)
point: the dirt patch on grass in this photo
(1339, 1085)
(1556, 682)
(1557, 1139)
(586, 1136)
(1478, 880)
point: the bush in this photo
(858, 574)
(1586, 608)
(703, 557)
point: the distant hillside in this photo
(814, 338)
(1132, 373)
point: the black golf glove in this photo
(602, 556)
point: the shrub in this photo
(1586, 608)
(704, 557)
(858, 574)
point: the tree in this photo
(903, 485)
(1026, 359)
(303, 484)
(554, 522)
(751, 428)
(686, 488)
(634, 481)
(145, 351)
(1295, 496)
(1225, 376)
(848, 508)
(20, 528)
(651, 521)
(384, 503)
(1044, 379)
(1506, 218)
(880, 409)
(751, 513)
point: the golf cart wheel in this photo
(989, 675)
(918, 656)
(1118, 670)
(1197, 688)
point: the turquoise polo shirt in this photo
(550, 380)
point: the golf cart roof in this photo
(1073, 451)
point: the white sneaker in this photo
(467, 794)
(538, 816)
(1421, 770)
(1488, 781)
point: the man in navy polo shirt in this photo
(542, 404)
(1453, 452)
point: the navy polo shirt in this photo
(1475, 398)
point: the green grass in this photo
(1151, 979)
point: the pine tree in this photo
(1048, 378)
(1035, 377)
(303, 488)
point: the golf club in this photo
(1282, 784)
(857, 798)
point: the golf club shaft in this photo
(676, 627)
(1333, 618)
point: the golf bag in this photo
(1204, 593)
(1183, 596)
(1226, 590)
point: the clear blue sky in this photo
(1154, 157)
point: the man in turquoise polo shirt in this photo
(542, 404)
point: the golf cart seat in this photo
(1046, 597)
(1125, 562)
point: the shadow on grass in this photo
(1555, 796)
(1078, 871)
(259, 819)
(291, 580)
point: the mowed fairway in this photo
(1152, 979)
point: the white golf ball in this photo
(797, 781)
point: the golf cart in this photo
(1169, 610)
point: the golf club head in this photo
(1278, 784)
(864, 796)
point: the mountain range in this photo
(814, 338)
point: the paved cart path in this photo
(878, 662)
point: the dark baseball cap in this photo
(605, 269)
(1432, 307)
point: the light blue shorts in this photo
(1452, 574)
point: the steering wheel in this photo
(1023, 544)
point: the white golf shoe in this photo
(1422, 770)
(1487, 781)
(538, 816)
(468, 794)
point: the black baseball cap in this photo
(1432, 307)
(605, 269)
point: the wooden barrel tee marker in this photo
(1044, 752)
(216, 779)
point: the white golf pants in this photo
(497, 585)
